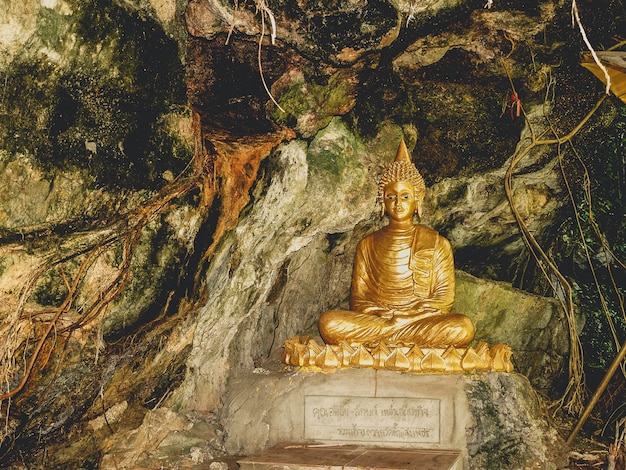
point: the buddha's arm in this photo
(363, 294)
(442, 292)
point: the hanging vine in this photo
(574, 395)
(31, 332)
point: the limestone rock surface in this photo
(533, 326)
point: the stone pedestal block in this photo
(493, 419)
(350, 457)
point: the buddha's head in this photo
(402, 173)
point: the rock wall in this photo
(180, 194)
(94, 122)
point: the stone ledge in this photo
(493, 418)
(322, 457)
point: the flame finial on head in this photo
(402, 155)
(402, 169)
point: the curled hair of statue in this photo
(402, 169)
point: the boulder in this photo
(533, 326)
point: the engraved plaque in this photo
(369, 419)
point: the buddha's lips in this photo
(399, 211)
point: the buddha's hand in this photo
(420, 311)
(376, 310)
(408, 317)
(401, 320)
(387, 314)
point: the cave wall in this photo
(141, 153)
(441, 76)
(94, 122)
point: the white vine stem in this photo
(264, 9)
(576, 17)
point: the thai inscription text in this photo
(372, 419)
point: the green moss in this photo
(50, 289)
(51, 26)
(293, 100)
(306, 96)
(153, 278)
(102, 108)
(24, 116)
(51, 292)
(332, 150)
(329, 161)
(336, 93)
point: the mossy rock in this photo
(333, 150)
(312, 105)
(96, 102)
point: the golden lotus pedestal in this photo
(303, 351)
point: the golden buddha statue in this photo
(403, 278)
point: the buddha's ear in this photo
(419, 206)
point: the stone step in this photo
(350, 457)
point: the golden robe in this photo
(402, 293)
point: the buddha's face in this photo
(400, 201)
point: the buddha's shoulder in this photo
(423, 230)
(426, 237)
(373, 239)
(367, 239)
